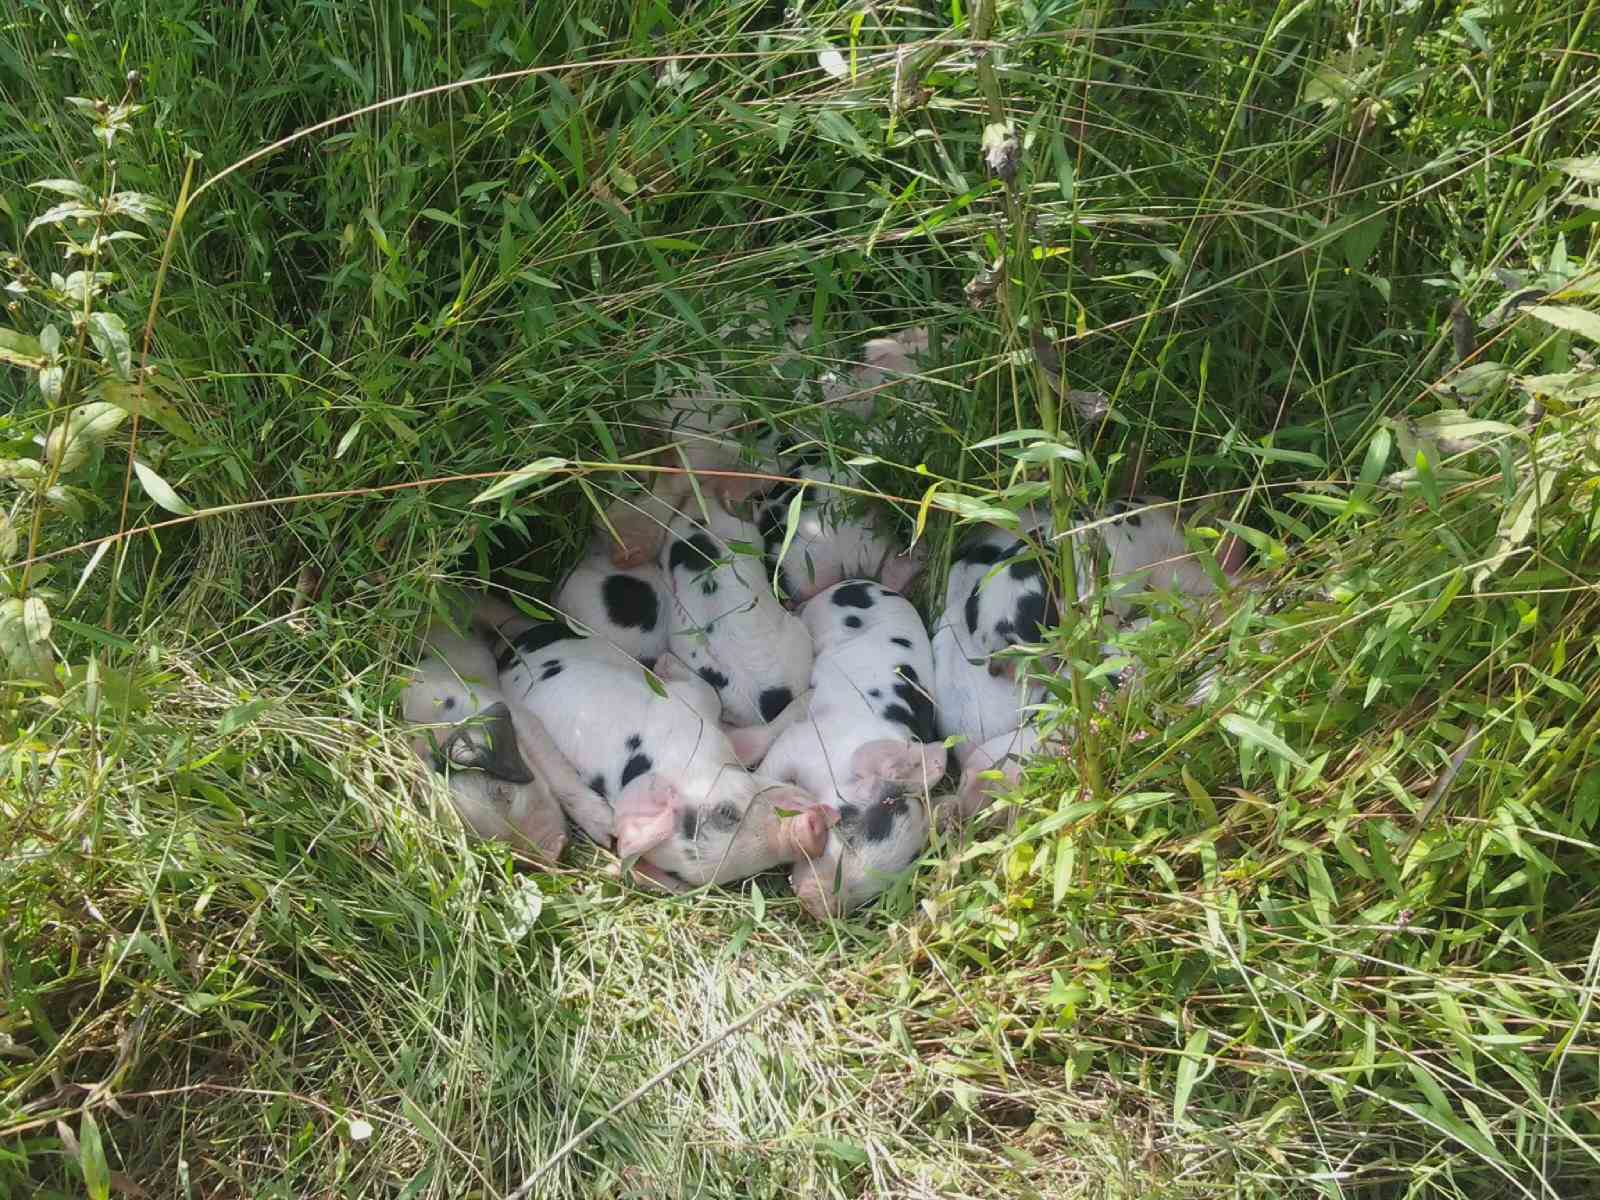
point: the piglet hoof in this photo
(627, 555)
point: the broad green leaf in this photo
(1361, 239)
(25, 635)
(159, 490)
(138, 205)
(92, 1158)
(519, 479)
(20, 350)
(50, 381)
(1246, 730)
(1516, 524)
(71, 210)
(70, 188)
(1584, 170)
(1569, 317)
(87, 427)
(110, 336)
(1188, 1072)
(21, 468)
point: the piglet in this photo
(867, 743)
(625, 606)
(506, 777)
(1139, 545)
(701, 455)
(830, 543)
(672, 791)
(727, 624)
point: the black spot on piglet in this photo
(635, 767)
(551, 668)
(630, 603)
(696, 553)
(773, 701)
(597, 785)
(853, 595)
(904, 643)
(852, 622)
(714, 677)
(634, 742)
(880, 818)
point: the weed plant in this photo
(292, 286)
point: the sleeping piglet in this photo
(504, 773)
(672, 790)
(866, 744)
(830, 543)
(1139, 543)
(727, 624)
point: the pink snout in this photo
(808, 831)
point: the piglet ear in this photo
(646, 814)
(735, 494)
(902, 569)
(911, 764)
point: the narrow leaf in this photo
(1246, 730)
(92, 1158)
(1188, 1072)
(519, 479)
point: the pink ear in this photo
(646, 814)
(902, 569)
(910, 763)
(735, 493)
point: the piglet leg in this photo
(751, 742)
(577, 799)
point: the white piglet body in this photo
(674, 792)
(866, 745)
(626, 606)
(727, 624)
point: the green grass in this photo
(1334, 934)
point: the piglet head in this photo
(494, 781)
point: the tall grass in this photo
(1333, 933)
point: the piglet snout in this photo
(808, 832)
